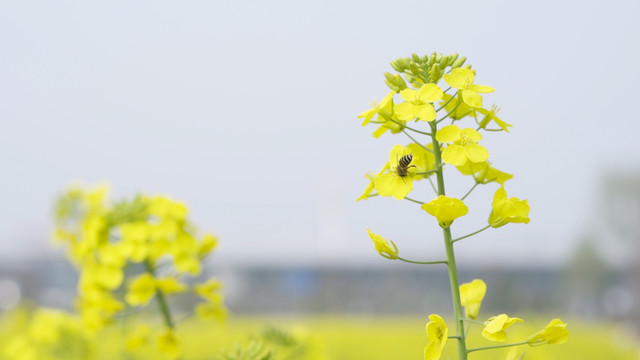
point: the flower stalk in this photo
(451, 259)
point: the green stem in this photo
(473, 233)
(449, 113)
(448, 101)
(423, 262)
(432, 186)
(451, 260)
(473, 321)
(496, 346)
(162, 302)
(417, 142)
(470, 190)
(412, 200)
(426, 172)
(410, 128)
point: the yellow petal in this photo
(455, 155)
(430, 93)
(482, 88)
(448, 134)
(476, 153)
(460, 78)
(471, 98)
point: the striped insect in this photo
(403, 165)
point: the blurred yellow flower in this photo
(168, 344)
(554, 333)
(471, 296)
(139, 337)
(141, 290)
(438, 333)
(494, 328)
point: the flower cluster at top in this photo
(131, 252)
(423, 88)
(494, 328)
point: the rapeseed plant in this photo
(418, 86)
(130, 253)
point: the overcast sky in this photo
(246, 111)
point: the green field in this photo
(384, 338)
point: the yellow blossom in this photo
(389, 251)
(554, 333)
(141, 290)
(397, 181)
(456, 108)
(367, 191)
(424, 160)
(494, 328)
(139, 337)
(462, 79)
(446, 209)
(490, 115)
(508, 210)
(483, 172)
(418, 103)
(211, 311)
(168, 344)
(463, 145)
(438, 333)
(384, 109)
(209, 290)
(471, 296)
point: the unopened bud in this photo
(458, 62)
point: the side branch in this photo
(423, 262)
(473, 233)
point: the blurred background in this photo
(246, 112)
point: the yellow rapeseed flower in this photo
(446, 209)
(372, 178)
(463, 145)
(494, 328)
(438, 333)
(471, 296)
(462, 79)
(384, 109)
(490, 115)
(483, 172)
(418, 103)
(397, 180)
(168, 344)
(508, 210)
(141, 290)
(554, 333)
(390, 251)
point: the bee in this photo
(403, 165)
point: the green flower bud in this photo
(435, 73)
(395, 82)
(400, 65)
(458, 62)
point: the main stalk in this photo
(451, 259)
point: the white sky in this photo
(246, 111)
